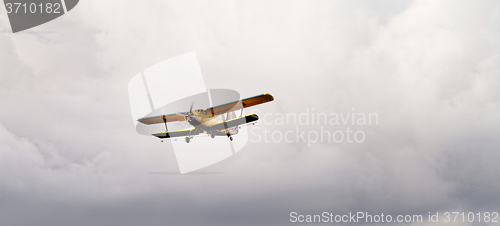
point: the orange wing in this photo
(237, 105)
(161, 119)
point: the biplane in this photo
(220, 120)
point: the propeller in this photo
(190, 113)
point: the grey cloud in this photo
(70, 154)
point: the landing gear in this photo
(229, 136)
(187, 140)
(212, 135)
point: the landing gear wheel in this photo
(231, 138)
(212, 134)
(187, 140)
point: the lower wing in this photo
(177, 133)
(236, 122)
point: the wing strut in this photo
(165, 121)
(241, 114)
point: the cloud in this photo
(69, 153)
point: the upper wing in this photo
(235, 105)
(161, 119)
(177, 133)
(236, 122)
(217, 110)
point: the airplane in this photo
(209, 121)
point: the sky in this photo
(69, 153)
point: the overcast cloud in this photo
(69, 153)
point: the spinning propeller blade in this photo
(190, 113)
(195, 117)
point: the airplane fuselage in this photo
(206, 121)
